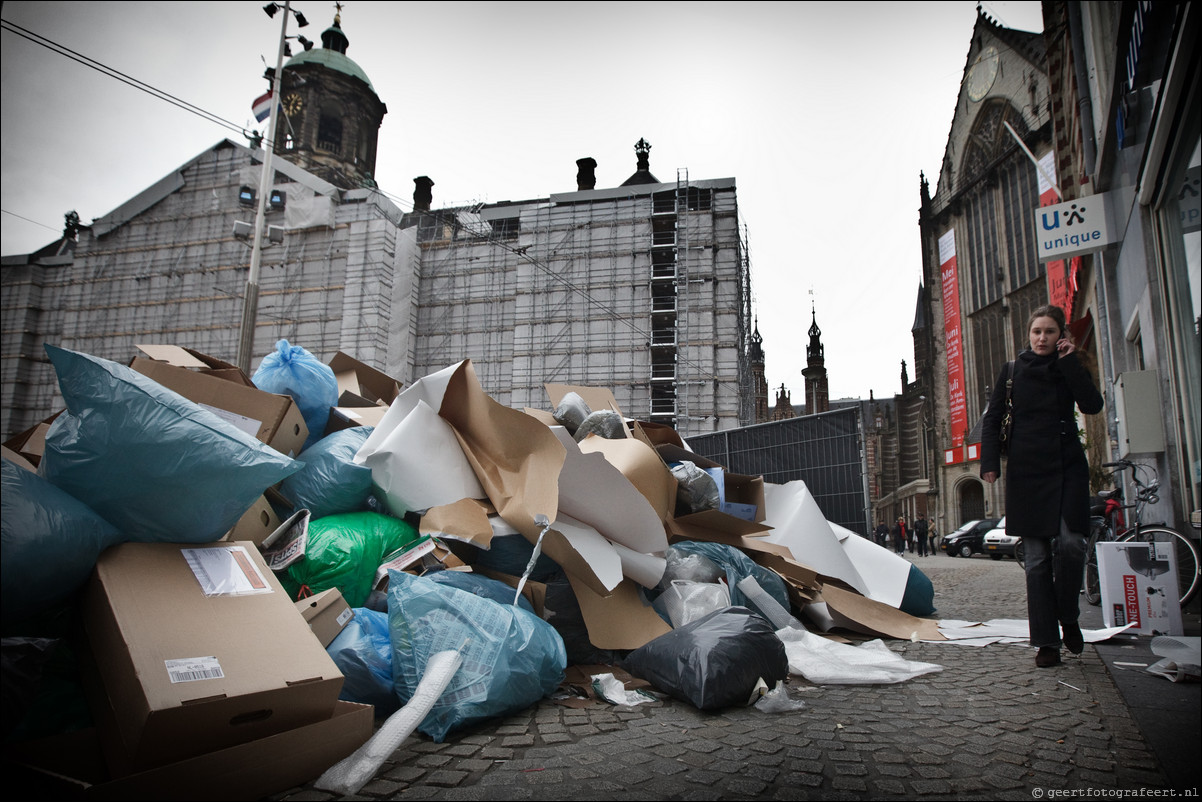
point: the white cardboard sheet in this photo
(885, 574)
(799, 525)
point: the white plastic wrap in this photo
(686, 601)
(825, 662)
(768, 607)
(353, 772)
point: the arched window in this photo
(329, 131)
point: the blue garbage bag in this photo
(330, 482)
(738, 566)
(50, 543)
(481, 585)
(363, 653)
(155, 465)
(291, 370)
(511, 658)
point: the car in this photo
(967, 540)
(998, 544)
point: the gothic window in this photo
(329, 131)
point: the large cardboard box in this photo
(71, 765)
(198, 648)
(1139, 587)
(273, 419)
(365, 385)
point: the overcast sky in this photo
(824, 113)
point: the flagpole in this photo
(250, 306)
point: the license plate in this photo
(992, 548)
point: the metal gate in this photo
(825, 451)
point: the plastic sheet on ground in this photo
(1180, 655)
(825, 662)
(1005, 630)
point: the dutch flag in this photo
(262, 106)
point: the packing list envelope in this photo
(798, 524)
(413, 453)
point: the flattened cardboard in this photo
(861, 614)
(619, 620)
(17, 459)
(642, 467)
(31, 443)
(72, 764)
(195, 360)
(466, 520)
(145, 607)
(279, 420)
(327, 614)
(798, 523)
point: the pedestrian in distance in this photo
(900, 535)
(1047, 476)
(881, 533)
(920, 534)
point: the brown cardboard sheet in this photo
(861, 614)
(619, 620)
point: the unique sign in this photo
(950, 284)
(1073, 227)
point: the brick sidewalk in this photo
(989, 726)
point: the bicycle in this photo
(1107, 524)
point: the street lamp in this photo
(250, 306)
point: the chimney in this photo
(421, 194)
(586, 178)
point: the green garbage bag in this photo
(344, 552)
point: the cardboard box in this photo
(256, 524)
(198, 648)
(350, 417)
(327, 613)
(737, 489)
(273, 419)
(1139, 587)
(361, 385)
(31, 443)
(195, 360)
(72, 765)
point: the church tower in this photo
(755, 358)
(331, 113)
(817, 394)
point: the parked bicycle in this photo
(1107, 524)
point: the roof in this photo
(333, 60)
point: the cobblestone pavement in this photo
(989, 726)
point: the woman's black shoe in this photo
(1073, 640)
(1047, 657)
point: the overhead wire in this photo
(440, 215)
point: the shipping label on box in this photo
(1139, 587)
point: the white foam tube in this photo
(353, 772)
(771, 609)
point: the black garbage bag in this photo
(715, 661)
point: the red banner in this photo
(950, 284)
(1062, 276)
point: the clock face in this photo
(293, 103)
(982, 74)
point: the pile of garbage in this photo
(259, 570)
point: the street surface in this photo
(989, 726)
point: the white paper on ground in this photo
(825, 662)
(1012, 630)
(799, 525)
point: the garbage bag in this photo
(291, 370)
(149, 461)
(50, 543)
(482, 586)
(511, 658)
(603, 423)
(714, 662)
(330, 482)
(363, 653)
(696, 490)
(571, 412)
(737, 566)
(344, 552)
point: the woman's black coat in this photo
(1047, 477)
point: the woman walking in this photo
(1047, 477)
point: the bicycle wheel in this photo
(1186, 553)
(1092, 583)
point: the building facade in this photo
(643, 288)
